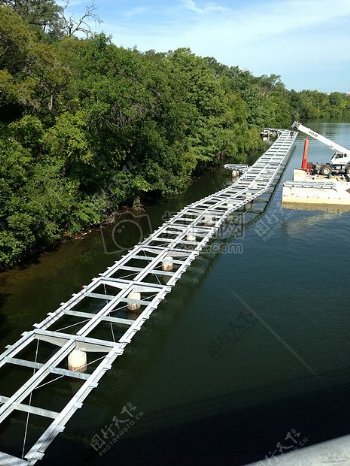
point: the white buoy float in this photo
(77, 361)
(248, 206)
(208, 220)
(136, 295)
(191, 236)
(168, 264)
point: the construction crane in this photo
(340, 161)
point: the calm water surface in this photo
(249, 346)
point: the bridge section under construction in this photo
(121, 299)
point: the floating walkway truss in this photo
(140, 272)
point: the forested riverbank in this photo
(86, 125)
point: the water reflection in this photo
(317, 215)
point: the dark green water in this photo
(249, 345)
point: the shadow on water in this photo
(3, 318)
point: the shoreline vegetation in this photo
(87, 127)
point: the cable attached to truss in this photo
(30, 402)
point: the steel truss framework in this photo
(141, 270)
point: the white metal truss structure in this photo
(311, 184)
(140, 280)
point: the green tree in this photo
(45, 16)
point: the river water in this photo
(247, 357)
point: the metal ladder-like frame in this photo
(182, 237)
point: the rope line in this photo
(30, 401)
(72, 325)
(112, 332)
(60, 376)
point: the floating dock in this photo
(127, 293)
(268, 133)
(316, 189)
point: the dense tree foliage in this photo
(44, 16)
(86, 125)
